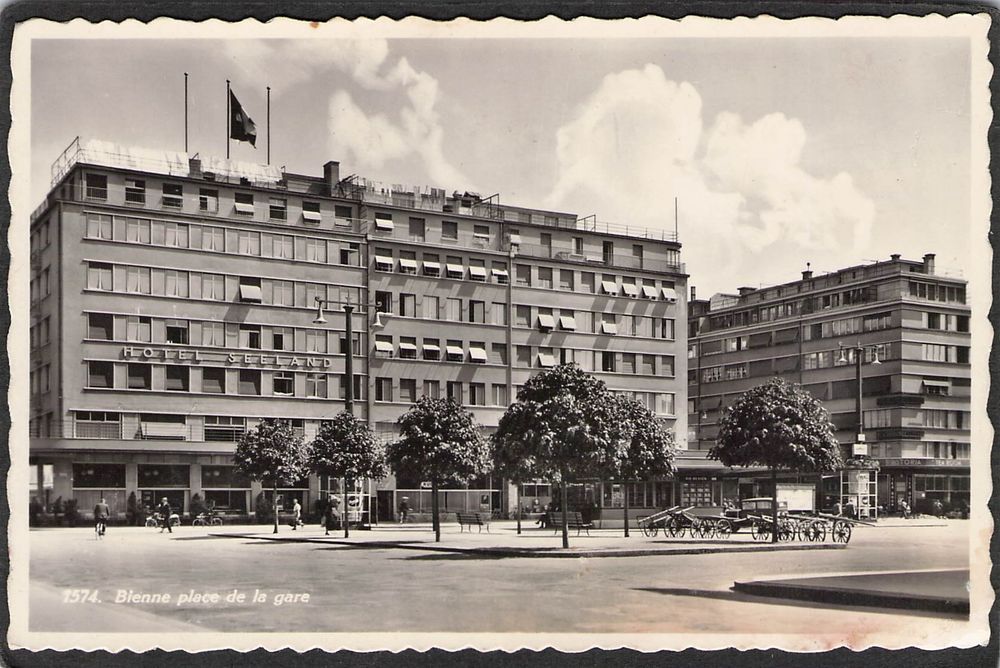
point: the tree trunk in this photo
(625, 490)
(434, 510)
(517, 498)
(274, 503)
(347, 512)
(774, 501)
(564, 496)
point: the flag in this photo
(241, 126)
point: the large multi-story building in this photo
(173, 300)
(912, 324)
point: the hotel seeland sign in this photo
(272, 360)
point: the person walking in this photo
(296, 515)
(101, 514)
(331, 516)
(165, 512)
(404, 509)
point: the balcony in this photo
(618, 260)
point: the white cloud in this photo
(638, 142)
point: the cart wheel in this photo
(217, 521)
(673, 527)
(723, 529)
(755, 530)
(707, 529)
(648, 528)
(820, 529)
(842, 532)
(786, 532)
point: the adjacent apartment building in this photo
(912, 324)
(172, 307)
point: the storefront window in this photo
(164, 475)
(102, 476)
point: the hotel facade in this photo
(172, 308)
(910, 323)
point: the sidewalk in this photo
(933, 591)
(502, 540)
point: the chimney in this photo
(807, 274)
(744, 291)
(895, 257)
(929, 263)
(194, 168)
(331, 175)
(694, 294)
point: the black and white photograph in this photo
(401, 334)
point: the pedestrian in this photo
(165, 511)
(904, 509)
(938, 508)
(404, 509)
(849, 510)
(331, 516)
(838, 509)
(296, 515)
(101, 514)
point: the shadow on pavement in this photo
(455, 556)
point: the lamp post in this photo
(858, 352)
(348, 308)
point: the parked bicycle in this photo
(207, 519)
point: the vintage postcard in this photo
(409, 334)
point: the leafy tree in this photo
(272, 451)
(439, 440)
(780, 426)
(643, 449)
(513, 462)
(345, 447)
(561, 426)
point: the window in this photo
(546, 322)
(383, 222)
(449, 230)
(98, 226)
(498, 353)
(383, 345)
(213, 380)
(213, 286)
(453, 309)
(138, 328)
(588, 281)
(282, 338)
(139, 376)
(432, 389)
(522, 356)
(407, 262)
(175, 283)
(477, 352)
(137, 230)
(100, 374)
(277, 208)
(178, 378)
(100, 326)
(408, 347)
(454, 351)
(279, 293)
(97, 186)
(317, 385)
(284, 383)
(522, 316)
(383, 301)
(408, 305)
(648, 365)
(316, 341)
(477, 311)
(498, 312)
(545, 277)
(477, 394)
(213, 334)
(565, 279)
(137, 280)
(498, 395)
(173, 195)
(249, 382)
(342, 211)
(934, 321)
(454, 267)
(248, 242)
(431, 307)
(522, 274)
(608, 361)
(481, 233)
(244, 204)
(628, 363)
(316, 250)
(407, 390)
(499, 271)
(277, 245)
(477, 270)
(311, 213)
(351, 254)
(432, 266)
(432, 349)
(455, 391)
(213, 238)
(383, 389)
(666, 365)
(224, 428)
(135, 191)
(208, 200)
(250, 337)
(665, 403)
(418, 229)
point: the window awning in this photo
(384, 263)
(407, 347)
(477, 273)
(311, 216)
(515, 239)
(546, 360)
(670, 294)
(432, 268)
(936, 383)
(432, 351)
(171, 430)
(407, 264)
(501, 275)
(567, 322)
(250, 293)
(609, 328)
(609, 287)
(383, 346)
(455, 270)
(177, 323)
(649, 291)
(383, 225)
(242, 207)
(546, 322)
(455, 351)
(630, 289)
(478, 355)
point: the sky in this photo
(779, 151)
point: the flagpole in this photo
(229, 114)
(269, 125)
(185, 112)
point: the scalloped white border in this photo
(923, 635)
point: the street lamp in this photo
(348, 308)
(858, 352)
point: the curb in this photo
(853, 597)
(552, 553)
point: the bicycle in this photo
(206, 519)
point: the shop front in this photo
(921, 482)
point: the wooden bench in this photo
(473, 519)
(573, 521)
